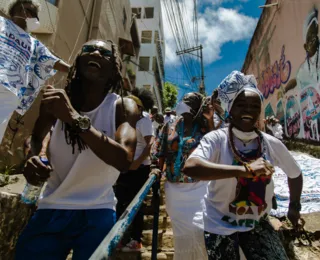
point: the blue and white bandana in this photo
(233, 85)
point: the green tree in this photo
(170, 94)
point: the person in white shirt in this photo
(93, 139)
(25, 63)
(239, 162)
(129, 183)
(168, 115)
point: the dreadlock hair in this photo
(16, 3)
(75, 93)
(145, 96)
(317, 60)
(196, 102)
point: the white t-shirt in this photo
(82, 180)
(232, 204)
(143, 128)
(25, 63)
(168, 118)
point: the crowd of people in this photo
(103, 143)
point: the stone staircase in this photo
(165, 235)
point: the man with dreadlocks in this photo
(93, 140)
(25, 63)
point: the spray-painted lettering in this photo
(272, 77)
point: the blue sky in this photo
(225, 31)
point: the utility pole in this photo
(202, 88)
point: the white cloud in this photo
(217, 26)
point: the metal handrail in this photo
(110, 242)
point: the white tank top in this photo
(81, 180)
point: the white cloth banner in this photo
(25, 63)
(310, 198)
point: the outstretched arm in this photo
(60, 65)
(295, 189)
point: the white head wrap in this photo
(233, 85)
(312, 17)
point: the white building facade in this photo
(150, 69)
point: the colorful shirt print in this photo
(250, 196)
(166, 147)
(25, 63)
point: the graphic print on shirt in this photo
(249, 200)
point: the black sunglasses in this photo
(90, 49)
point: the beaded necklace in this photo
(182, 141)
(242, 158)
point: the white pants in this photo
(183, 204)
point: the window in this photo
(156, 37)
(146, 36)
(137, 12)
(148, 87)
(54, 2)
(124, 19)
(144, 63)
(148, 12)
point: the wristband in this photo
(249, 169)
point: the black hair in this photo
(74, 91)
(13, 5)
(215, 94)
(317, 60)
(195, 101)
(145, 96)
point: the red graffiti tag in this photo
(272, 77)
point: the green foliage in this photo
(131, 73)
(170, 94)
(5, 173)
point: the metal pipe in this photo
(109, 244)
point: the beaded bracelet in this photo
(249, 169)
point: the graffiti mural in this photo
(273, 77)
(293, 117)
(268, 111)
(280, 113)
(310, 107)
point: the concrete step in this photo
(165, 238)
(164, 222)
(161, 255)
(148, 199)
(149, 210)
